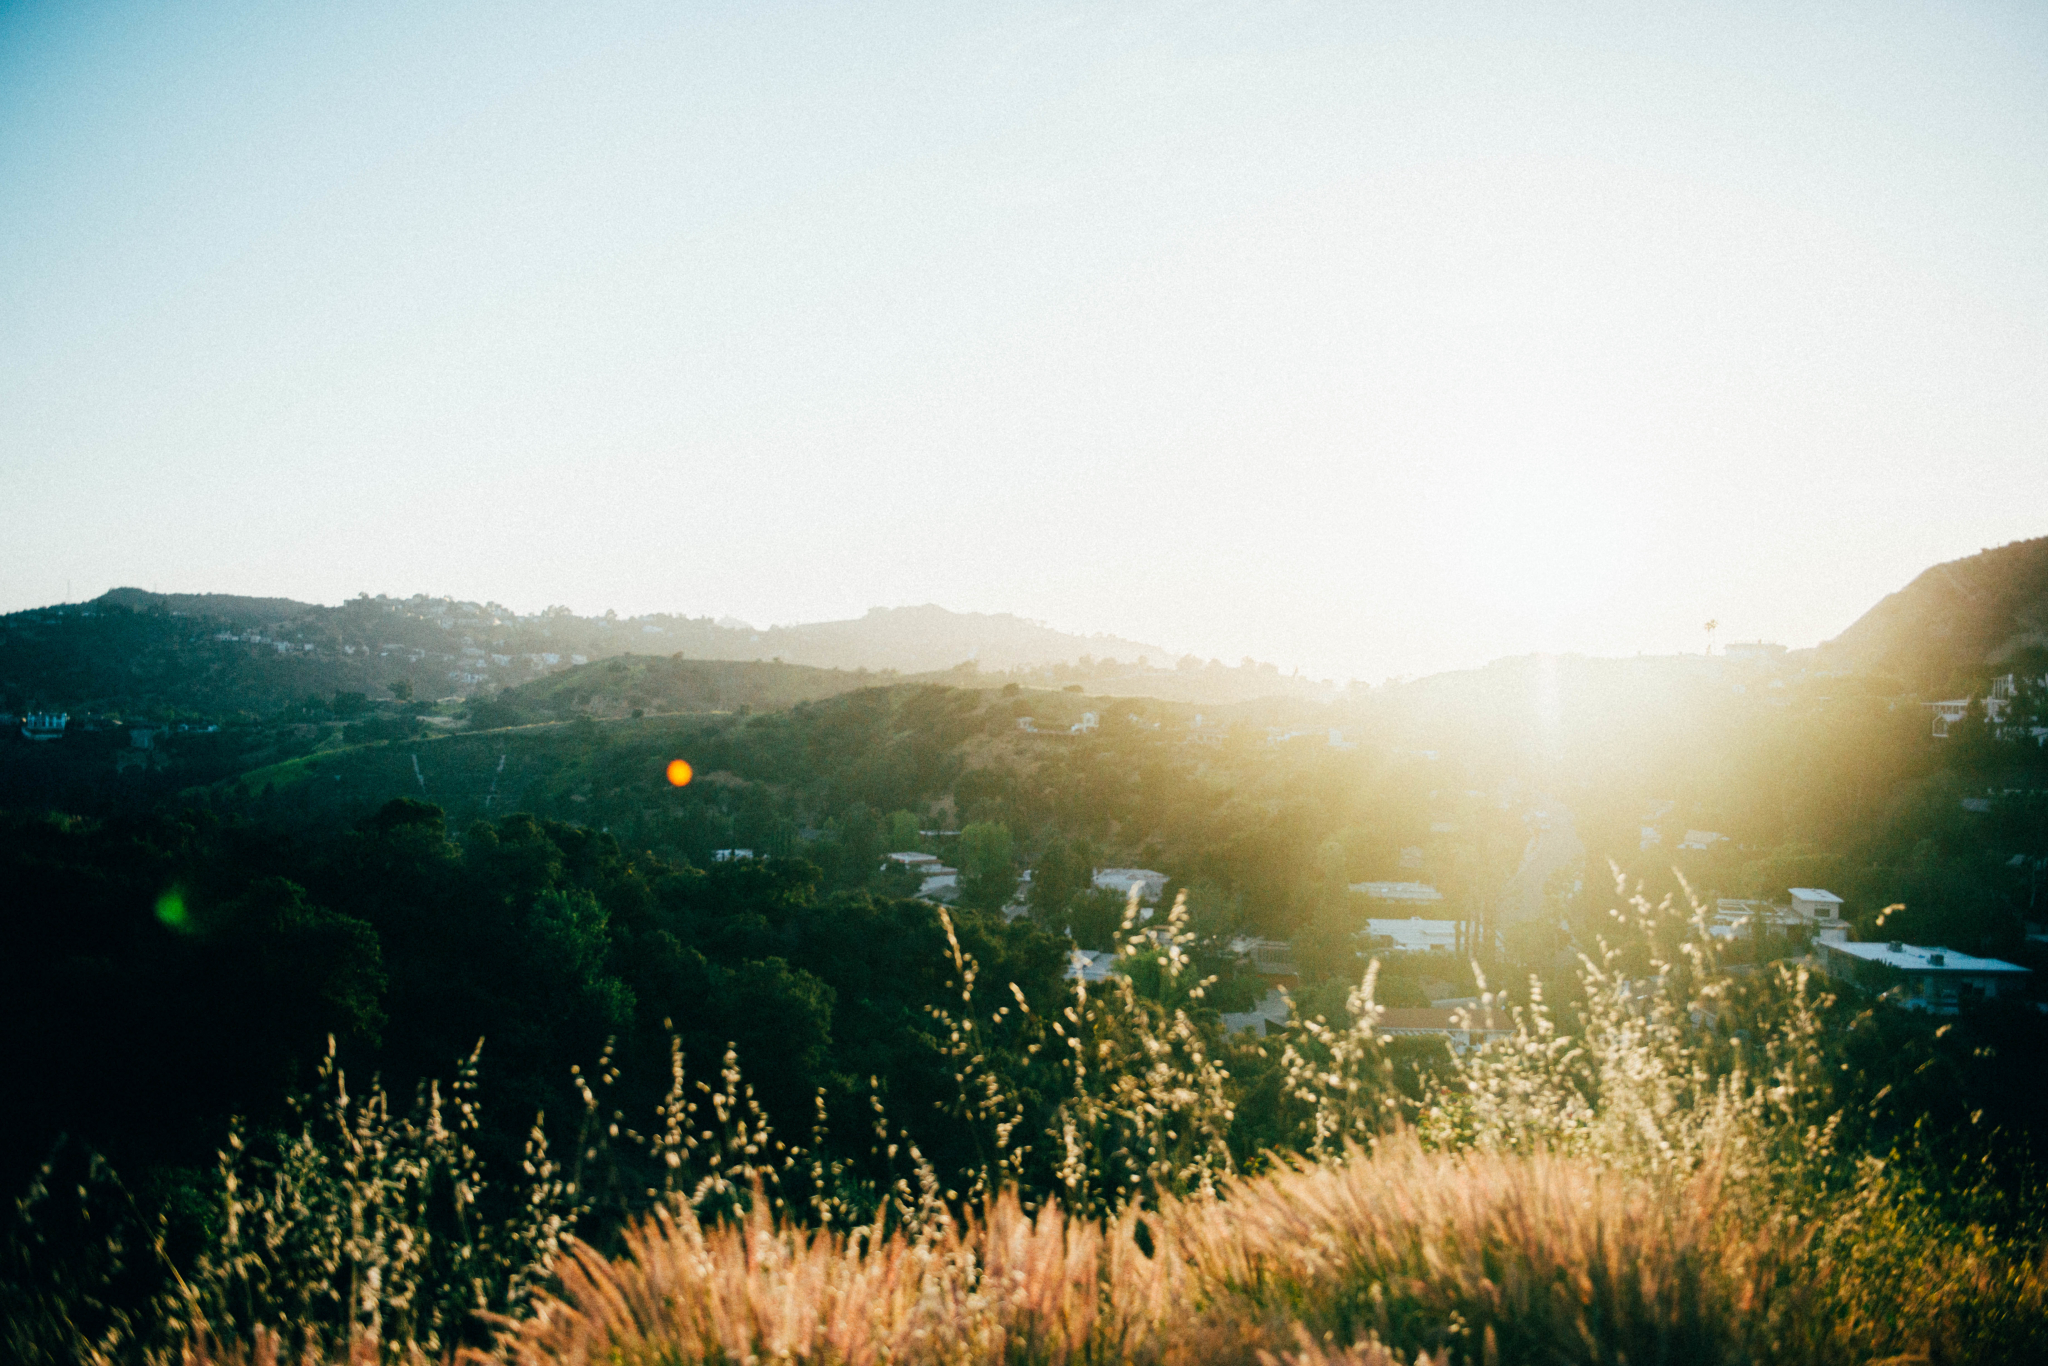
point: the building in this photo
(1089, 965)
(935, 878)
(1702, 839)
(1937, 980)
(1269, 1014)
(44, 725)
(1462, 1028)
(1399, 893)
(1816, 906)
(1269, 958)
(730, 855)
(1151, 885)
(1413, 935)
(1809, 908)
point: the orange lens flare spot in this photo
(680, 772)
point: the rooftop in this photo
(1924, 958)
(1398, 891)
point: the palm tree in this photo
(1712, 626)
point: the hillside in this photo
(215, 655)
(1953, 623)
(928, 638)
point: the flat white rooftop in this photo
(1921, 958)
(1814, 894)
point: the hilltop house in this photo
(44, 725)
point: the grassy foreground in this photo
(1401, 1256)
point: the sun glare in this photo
(680, 772)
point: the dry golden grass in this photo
(1382, 1259)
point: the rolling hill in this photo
(1954, 623)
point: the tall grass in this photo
(1480, 1256)
(1621, 1179)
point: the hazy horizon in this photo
(1366, 342)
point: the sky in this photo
(1368, 339)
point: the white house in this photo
(730, 855)
(44, 725)
(1816, 906)
(1932, 979)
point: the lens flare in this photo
(170, 910)
(680, 772)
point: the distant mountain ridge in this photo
(923, 639)
(930, 638)
(1953, 622)
(222, 653)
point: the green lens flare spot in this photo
(170, 910)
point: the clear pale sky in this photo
(1369, 339)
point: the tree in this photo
(988, 867)
(902, 835)
(1060, 875)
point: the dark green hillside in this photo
(1948, 628)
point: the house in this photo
(1817, 907)
(1270, 1013)
(1463, 1028)
(1948, 713)
(1809, 908)
(1399, 893)
(44, 725)
(1269, 958)
(1932, 979)
(730, 855)
(1087, 725)
(1702, 839)
(1151, 885)
(1742, 919)
(1413, 935)
(1089, 965)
